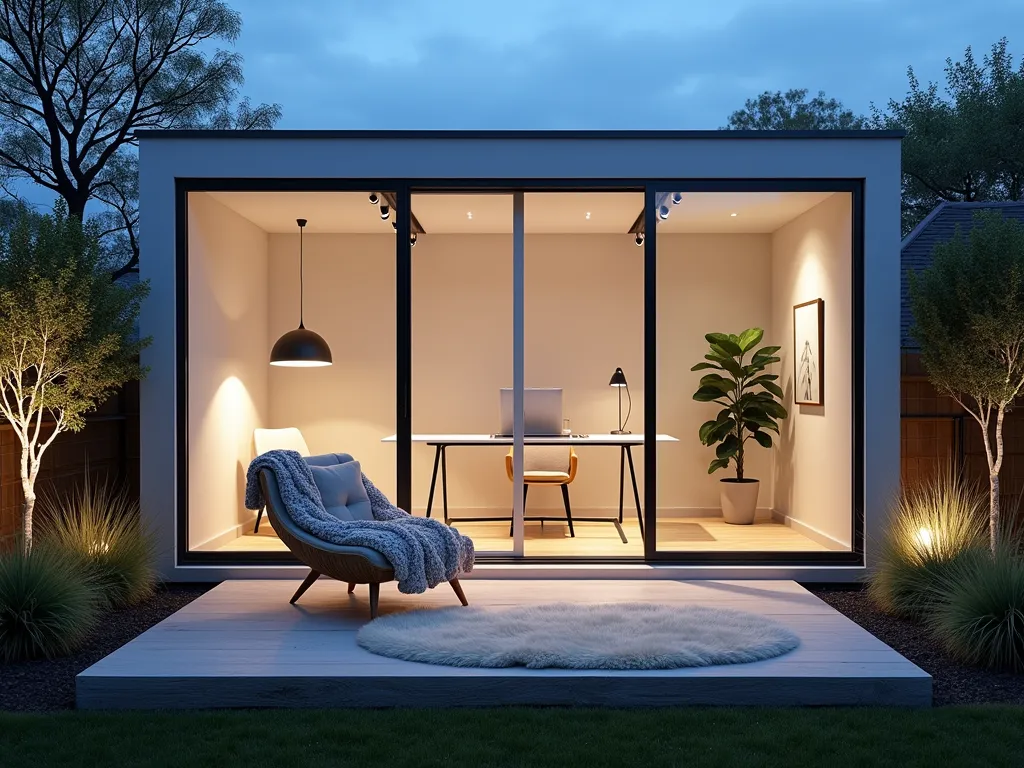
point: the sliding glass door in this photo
(752, 312)
(463, 341)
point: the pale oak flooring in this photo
(698, 534)
(243, 645)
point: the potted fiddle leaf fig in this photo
(751, 409)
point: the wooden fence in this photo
(108, 446)
(936, 432)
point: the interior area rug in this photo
(572, 636)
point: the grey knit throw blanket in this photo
(423, 552)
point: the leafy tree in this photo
(78, 77)
(67, 336)
(792, 111)
(969, 320)
(963, 144)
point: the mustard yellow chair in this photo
(546, 465)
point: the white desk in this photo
(624, 443)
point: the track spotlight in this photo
(663, 212)
(412, 241)
(639, 238)
(384, 212)
(677, 198)
(374, 199)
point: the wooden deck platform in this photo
(243, 645)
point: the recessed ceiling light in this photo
(588, 215)
(732, 214)
(469, 215)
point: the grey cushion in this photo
(341, 489)
(328, 459)
(280, 516)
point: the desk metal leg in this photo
(444, 482)
(622, 479)
(433, 480)
(636, 493)
(622, 534)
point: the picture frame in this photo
(809, 353)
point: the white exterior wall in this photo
(876, 160)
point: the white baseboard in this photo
(628, 511)
(232, 533)
(810, 532)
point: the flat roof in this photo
(155, 133)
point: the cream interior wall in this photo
(706, 284)
(350, 301)
(812, 258)
(227, 381)
(584, 317)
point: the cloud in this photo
(591, 64)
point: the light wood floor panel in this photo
(243, 645)
(600, 539)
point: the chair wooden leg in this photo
(568, 509)
(458, 591)
(351, 587)
(374, 599)
(259, 516)
(306, 584)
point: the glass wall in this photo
(462, 321)
(772, 268)
(755, 291)
(583, 336)
(246, 291)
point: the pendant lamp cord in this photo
(301, 227)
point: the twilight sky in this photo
(593, 63)
(590, 63)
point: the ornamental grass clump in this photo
(980, 618)
(932, 527)
(48, 604)
(100, 527)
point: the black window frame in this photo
(403, 190)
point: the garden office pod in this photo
(512, 320)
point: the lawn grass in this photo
(476, 738)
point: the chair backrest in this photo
(546, 458)
(287, 439)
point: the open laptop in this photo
(542, 412)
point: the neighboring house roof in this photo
(937, 227)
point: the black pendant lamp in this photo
(301, 348)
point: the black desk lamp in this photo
(619, 381)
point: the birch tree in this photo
(67, 335)
(969, 320)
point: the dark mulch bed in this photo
(954, 683)
(49, 684)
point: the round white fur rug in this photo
(569, 636)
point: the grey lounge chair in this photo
(353, 565)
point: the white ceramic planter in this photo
(739, 501)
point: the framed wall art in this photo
(809, 353)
